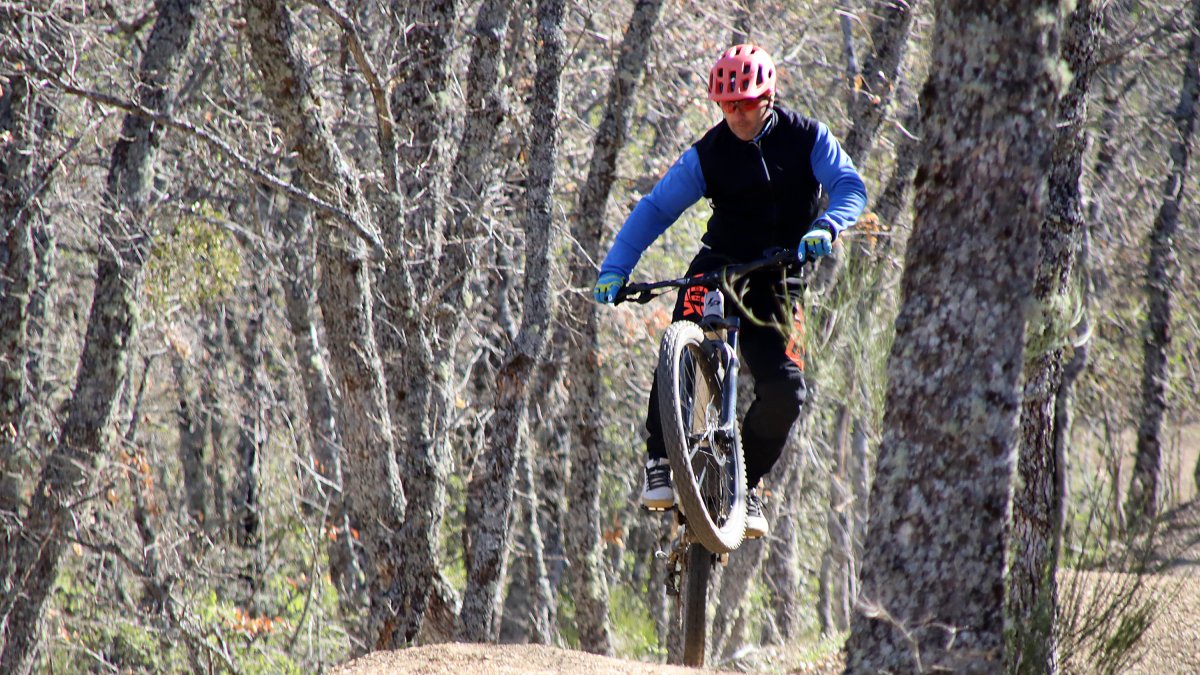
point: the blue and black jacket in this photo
(764, 193)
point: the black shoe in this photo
(756, 522)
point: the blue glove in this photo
(607, 286)
(817, 243)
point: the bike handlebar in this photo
(642, 293)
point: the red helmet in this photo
(743, 72)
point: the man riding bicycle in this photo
(763, 169)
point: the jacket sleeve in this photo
(835, 171)
(682, 186)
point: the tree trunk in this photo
(728, 626)
(1105, 169)
(875, 86)
(44, 250)
(782, 567)
(213, 327)
(485, 110)
(377, 501)
(871, 90)
(783, 578)
(489, 503)
(154, 588)
(252, 432)
(550, 466)
(16, 285)
(1145, 489)
(932, 593)
(530, 605)
(874, 89)
(848, 52)
(743, 13)
(543, 610)
(1064, 400)
(894, 197)
(65, 482)
(1038, 501)
(26, 124)
(583, 533)
(860, 487)
(837, 570)
(191, 431)
(300, 297)
(416, 325)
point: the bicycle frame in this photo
(642, 293)
(709, 345)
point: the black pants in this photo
(771, 351)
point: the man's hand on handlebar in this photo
(607, 286)
(817, 243)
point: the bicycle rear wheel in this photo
(693, 602)
(708, 468)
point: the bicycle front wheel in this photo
(708, 468)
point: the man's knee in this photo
(784, 394)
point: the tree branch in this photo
(379, 251)
(386, 136)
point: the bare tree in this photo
(1145, 490)
(486, 108)
(489, 503)
(875, 86)
(251, 438)
(419, 321)
(298, 255)
(65, 483)
(782, 566)
(1039, 501)
(932, 593)
(27, 119)
(429, 104)
(377, 502)
(213, 414)
(17, 261)
(870, 258)
(894, 196)
(583, 534)
(191, 431)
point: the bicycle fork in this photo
(722, 334)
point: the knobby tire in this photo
(694, 601)
(709, 475)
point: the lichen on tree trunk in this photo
(932, 592)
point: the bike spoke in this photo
(704, 456)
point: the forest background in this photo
(300, 359)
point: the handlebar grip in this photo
(639, 293)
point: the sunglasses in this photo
(744, 104)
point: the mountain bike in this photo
(697, 393)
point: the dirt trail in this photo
(478, 659)
(1172, 644)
